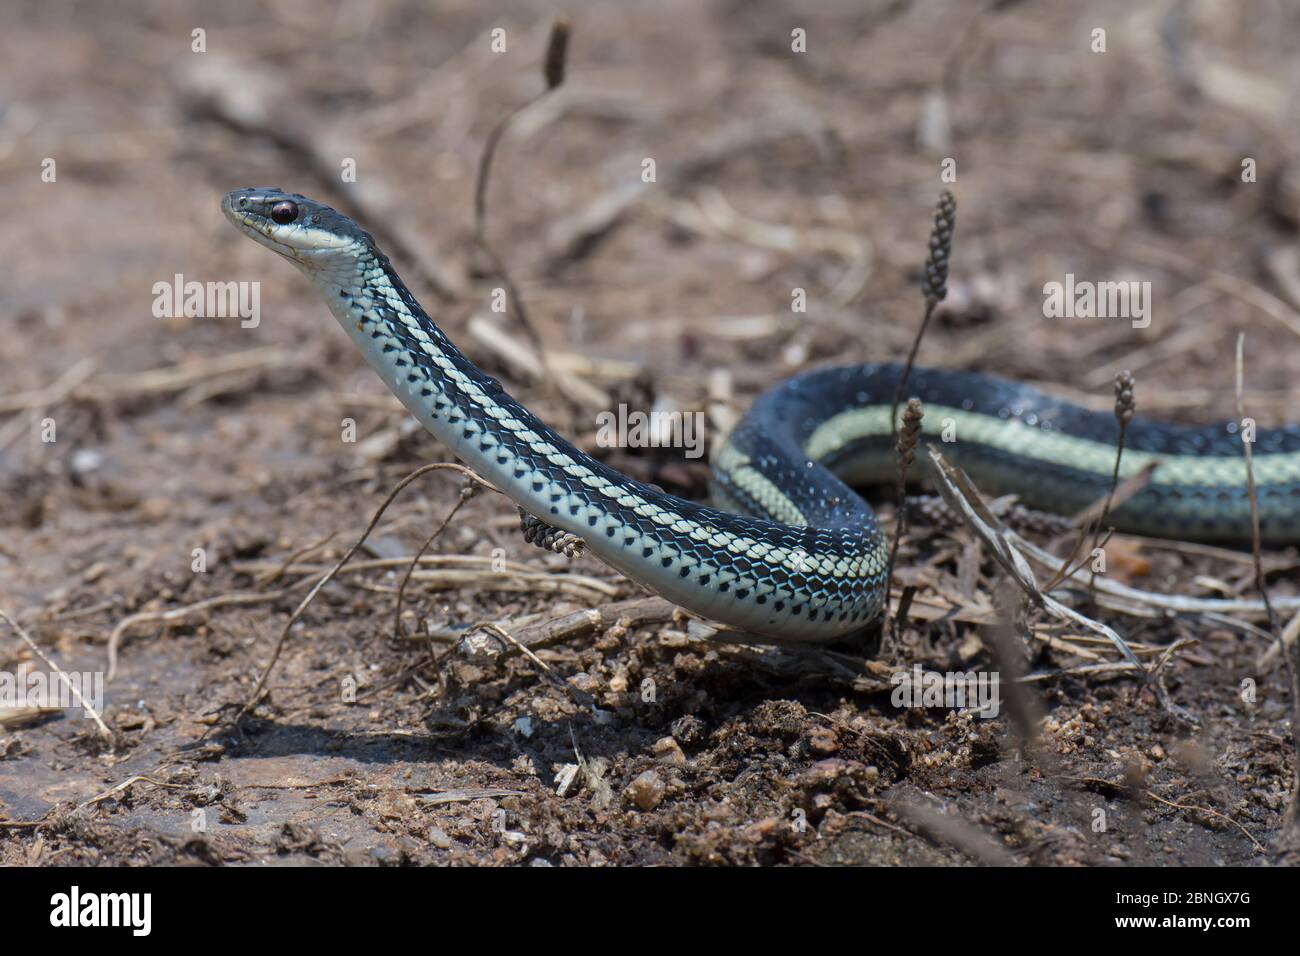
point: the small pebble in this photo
(668, 750)
(646, 791)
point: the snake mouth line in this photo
(264, 237)
(263, 234)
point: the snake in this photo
(788, 551)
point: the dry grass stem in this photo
(67, 681)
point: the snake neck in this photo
(771, 577)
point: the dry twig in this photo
(906, 454)
(298, 611)
(1134, 601)
(964, 499)
(466, 492)
(952, 830)
(553, 71)
(76, 693)
(1291, 661)
(180, 614)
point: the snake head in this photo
(309, 234)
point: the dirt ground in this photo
(631, 742)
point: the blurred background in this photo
(1163, 148)
(776, 170)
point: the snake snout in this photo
(294, 226)
(252, 203)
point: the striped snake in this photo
(796, 555)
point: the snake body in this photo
(798, 555)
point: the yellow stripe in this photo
(1084, 454)
(757, 486)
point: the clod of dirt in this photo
(689, 731)
(823, 742)
(646, 791)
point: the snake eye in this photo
(284, 212)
